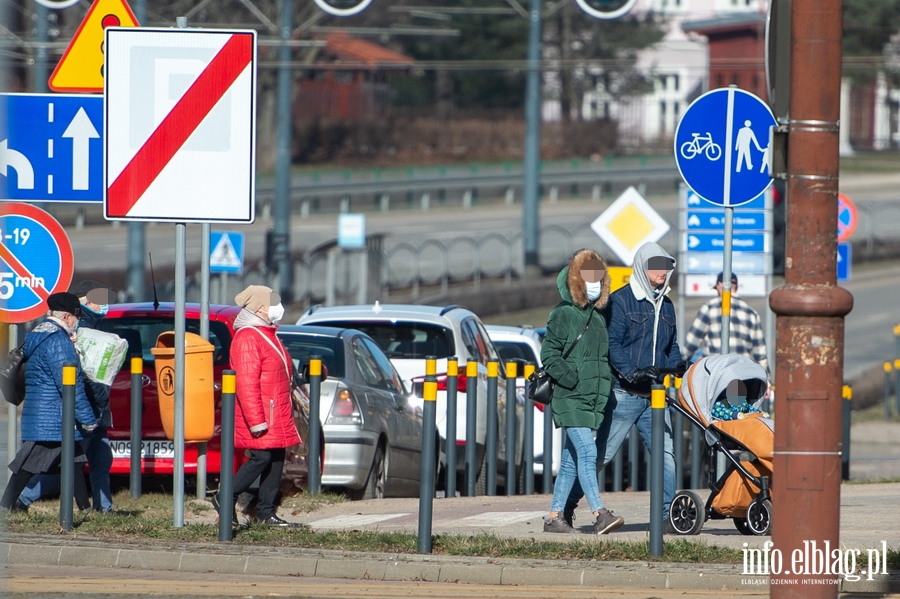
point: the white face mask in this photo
(276, 313)
(594, 290)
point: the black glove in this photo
(650, 373)
(681, 368)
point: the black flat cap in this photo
(65, 302)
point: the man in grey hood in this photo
(642, 340)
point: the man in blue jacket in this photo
(47, 347)
(95, 298)
(642, 339)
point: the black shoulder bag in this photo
(540, 385)
(12, 375)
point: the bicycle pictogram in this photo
(690, 149)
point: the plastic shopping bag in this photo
(102, 354)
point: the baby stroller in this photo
(741, 492)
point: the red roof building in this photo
(351, 87)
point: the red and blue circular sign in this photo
(847, 218)
(36, 260)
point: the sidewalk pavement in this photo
(868, 516)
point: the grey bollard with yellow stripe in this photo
(67, 459)
(658, 443)
(426, 472)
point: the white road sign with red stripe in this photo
(180, 114)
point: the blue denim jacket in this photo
(631, 334)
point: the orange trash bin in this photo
(199, 401)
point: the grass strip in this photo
(150, 518)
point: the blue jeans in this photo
(627, 410)
(580, 442)
(99, 457)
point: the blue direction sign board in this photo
(844, 261)
(715, 242)
(51, 147)
(722, 146)
(714, 220)
(711, 262)
(226, 252)
(760, 202)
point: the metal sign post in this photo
(178, 468)
(726, 279)
(204, 332)
(12, 414)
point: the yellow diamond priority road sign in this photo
(629, 223)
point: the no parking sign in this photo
(36, 260)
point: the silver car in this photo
(407, 333)
(373, 431)
(524, 344)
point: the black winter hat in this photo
(65, 302)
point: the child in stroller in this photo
(720, 394)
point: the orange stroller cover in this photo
(706, 380)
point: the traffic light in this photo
(605, 9)
(276, 249)
(343, 8)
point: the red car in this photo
(140, 325)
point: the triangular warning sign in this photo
(81, 67)
(224, 254)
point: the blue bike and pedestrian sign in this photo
(722, 146)
(51, 148)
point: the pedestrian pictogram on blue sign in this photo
(51, 147)
(226, 252)
(722, 146)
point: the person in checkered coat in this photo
(705, 336)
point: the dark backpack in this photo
(12, 376)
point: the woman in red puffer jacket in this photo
(263, 420)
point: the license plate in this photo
(149, 449)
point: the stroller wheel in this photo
(686, 514)
(759, 516)
(741, 525)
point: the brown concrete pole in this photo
(810, 308)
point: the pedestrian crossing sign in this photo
(227, 253)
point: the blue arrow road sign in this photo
(715, 242)
(51, 147)
(711, 263)
(226, 252)
(722, 146)
(844, 261)
(714, 220)
(757, 203)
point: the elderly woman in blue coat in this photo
(47, 347)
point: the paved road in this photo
(30, 582)
(105, 246)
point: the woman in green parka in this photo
(583, 383)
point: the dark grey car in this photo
(372, 426)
